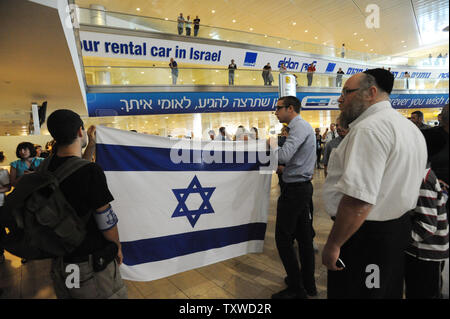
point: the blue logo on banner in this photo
(317, 101)
(330, 67)
(183, 194)
(250, 58)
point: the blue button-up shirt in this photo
(298, 153)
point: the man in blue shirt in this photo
(298, 154)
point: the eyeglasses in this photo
(280, 107)
(345, 92)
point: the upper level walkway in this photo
(110, 19)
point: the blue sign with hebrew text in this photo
(126, 103)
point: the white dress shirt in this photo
(380, 161)
(329, 137)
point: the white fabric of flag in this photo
(176, 215)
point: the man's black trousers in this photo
(374, 260)
(294, 222)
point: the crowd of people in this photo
(440, 59)
(385, 190)
(186, 24)
(241, 134)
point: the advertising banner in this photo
(119, 104)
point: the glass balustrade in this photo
(134, 22)
(117, 75)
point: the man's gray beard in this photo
(353, 112)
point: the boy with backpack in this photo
(62, 212)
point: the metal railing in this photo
(147, 76)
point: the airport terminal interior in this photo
(108, 61)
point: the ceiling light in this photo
(403, 41)
(213, 11)
(404, 46)
(265, 35)
(166, 19)
(306, 30)
(367, 45)
(316, 38)
(278, 42)
(356, 33)
(142, 72)
(138, 9)
(371, 49)
(294, 23)
(289, 47)
(234, 21)
(251, 29)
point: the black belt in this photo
(76, 260)
(297, 183)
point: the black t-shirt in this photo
(86, 190)
(196, 23)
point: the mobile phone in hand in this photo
(340, 263)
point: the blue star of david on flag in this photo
(182, 195)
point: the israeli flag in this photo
(183, 204)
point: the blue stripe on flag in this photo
(161, 248)
(139, 158)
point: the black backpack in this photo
(36, 220)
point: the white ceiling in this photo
(35, 64)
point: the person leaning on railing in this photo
(180, 24)
(188, 23)
(196, 26)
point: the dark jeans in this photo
(188, 31)
(375, 245)
(422, 278)
(294, 222)
(310, 78)
(318, 156)
(180, 30)
(195, 32)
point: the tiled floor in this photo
(249, 276)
